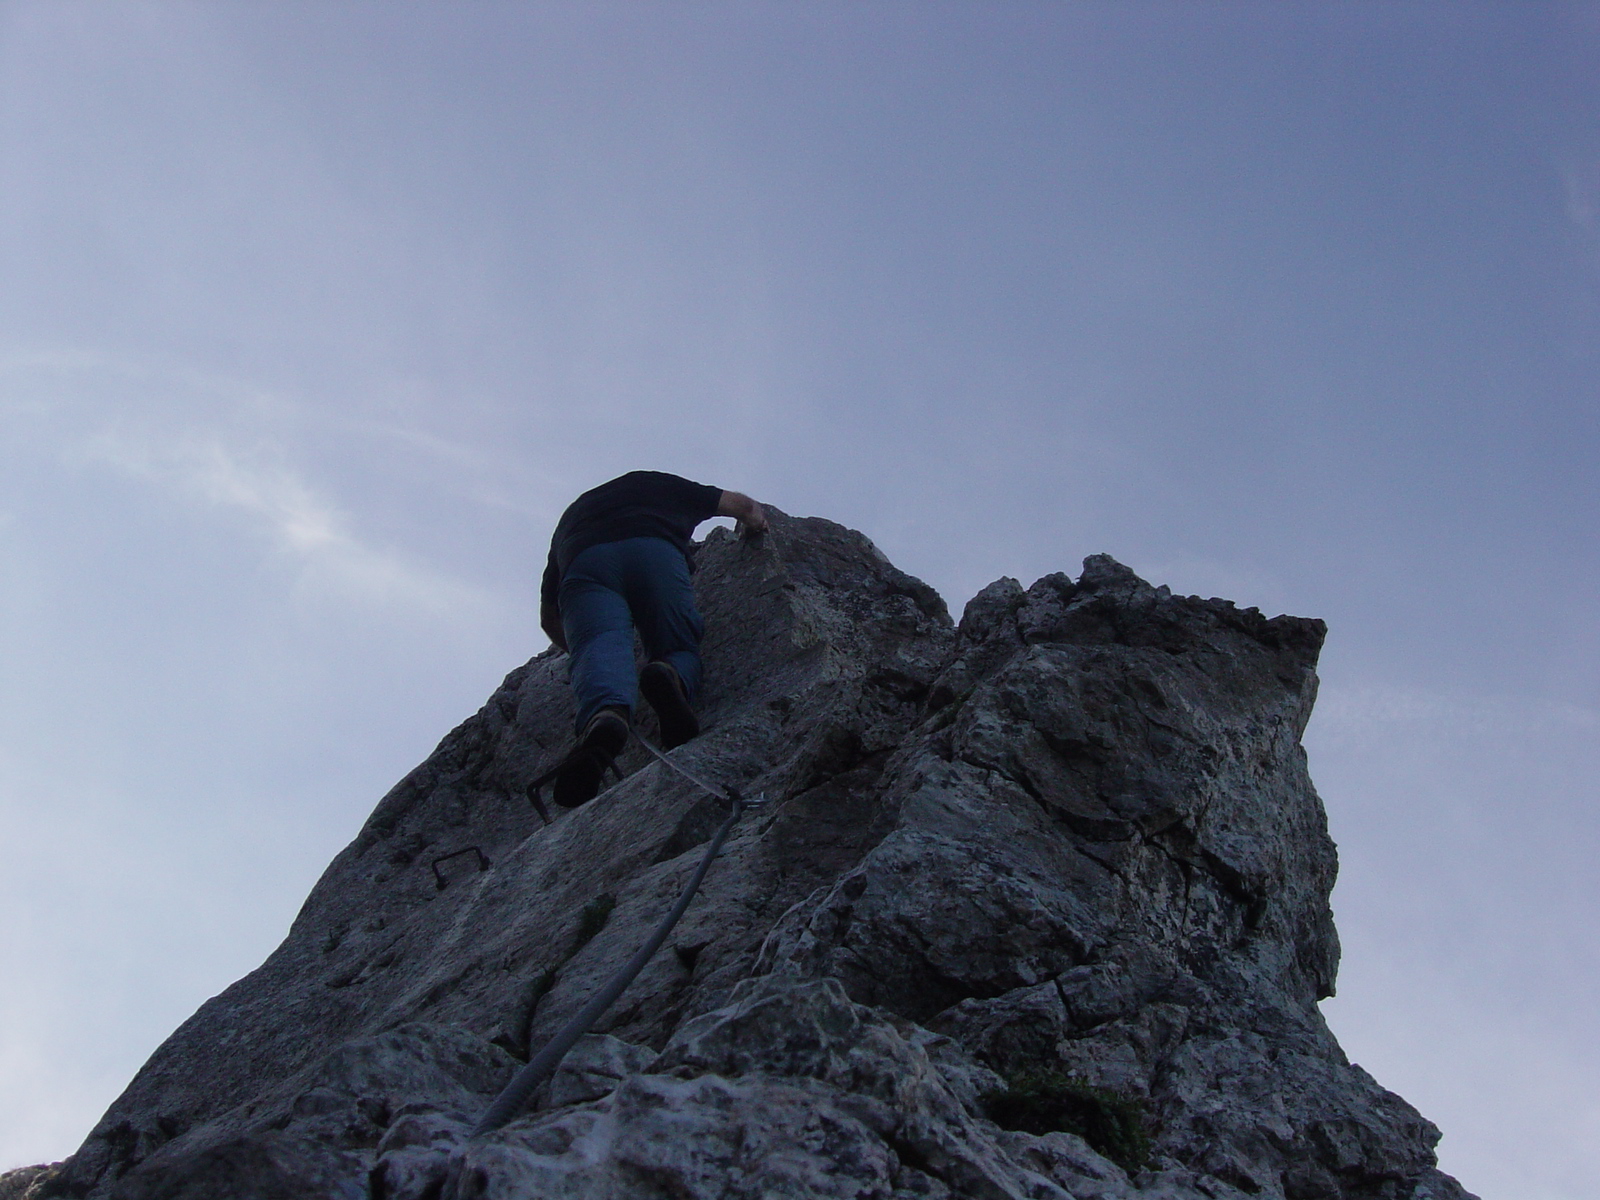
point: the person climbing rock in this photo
(620, 560)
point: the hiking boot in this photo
(663, 688)
(602, 740)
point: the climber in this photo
(619, 559)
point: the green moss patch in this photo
(1047, 1101)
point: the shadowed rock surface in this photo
(1067, 851)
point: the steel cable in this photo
(516, 1094)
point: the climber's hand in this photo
(751, 516)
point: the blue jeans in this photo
(607, 591)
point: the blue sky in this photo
(315, 316)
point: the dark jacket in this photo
(638, 504)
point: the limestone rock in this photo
(1060, 863)
(26, 1182)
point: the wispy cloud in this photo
(224, 444)
(258, 485)
(1356, 712)
(1581, 185)
(484, 475)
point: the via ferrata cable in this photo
(514, 1098)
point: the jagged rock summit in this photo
(1038, 907)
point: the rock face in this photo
(1037, 907)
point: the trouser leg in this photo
(661, 597)
(595, 618)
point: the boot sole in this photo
(581, 775)
(658, 682)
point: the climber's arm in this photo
(746, 511)
(550, 622)
(549, 609)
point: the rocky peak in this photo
(1037, 907)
